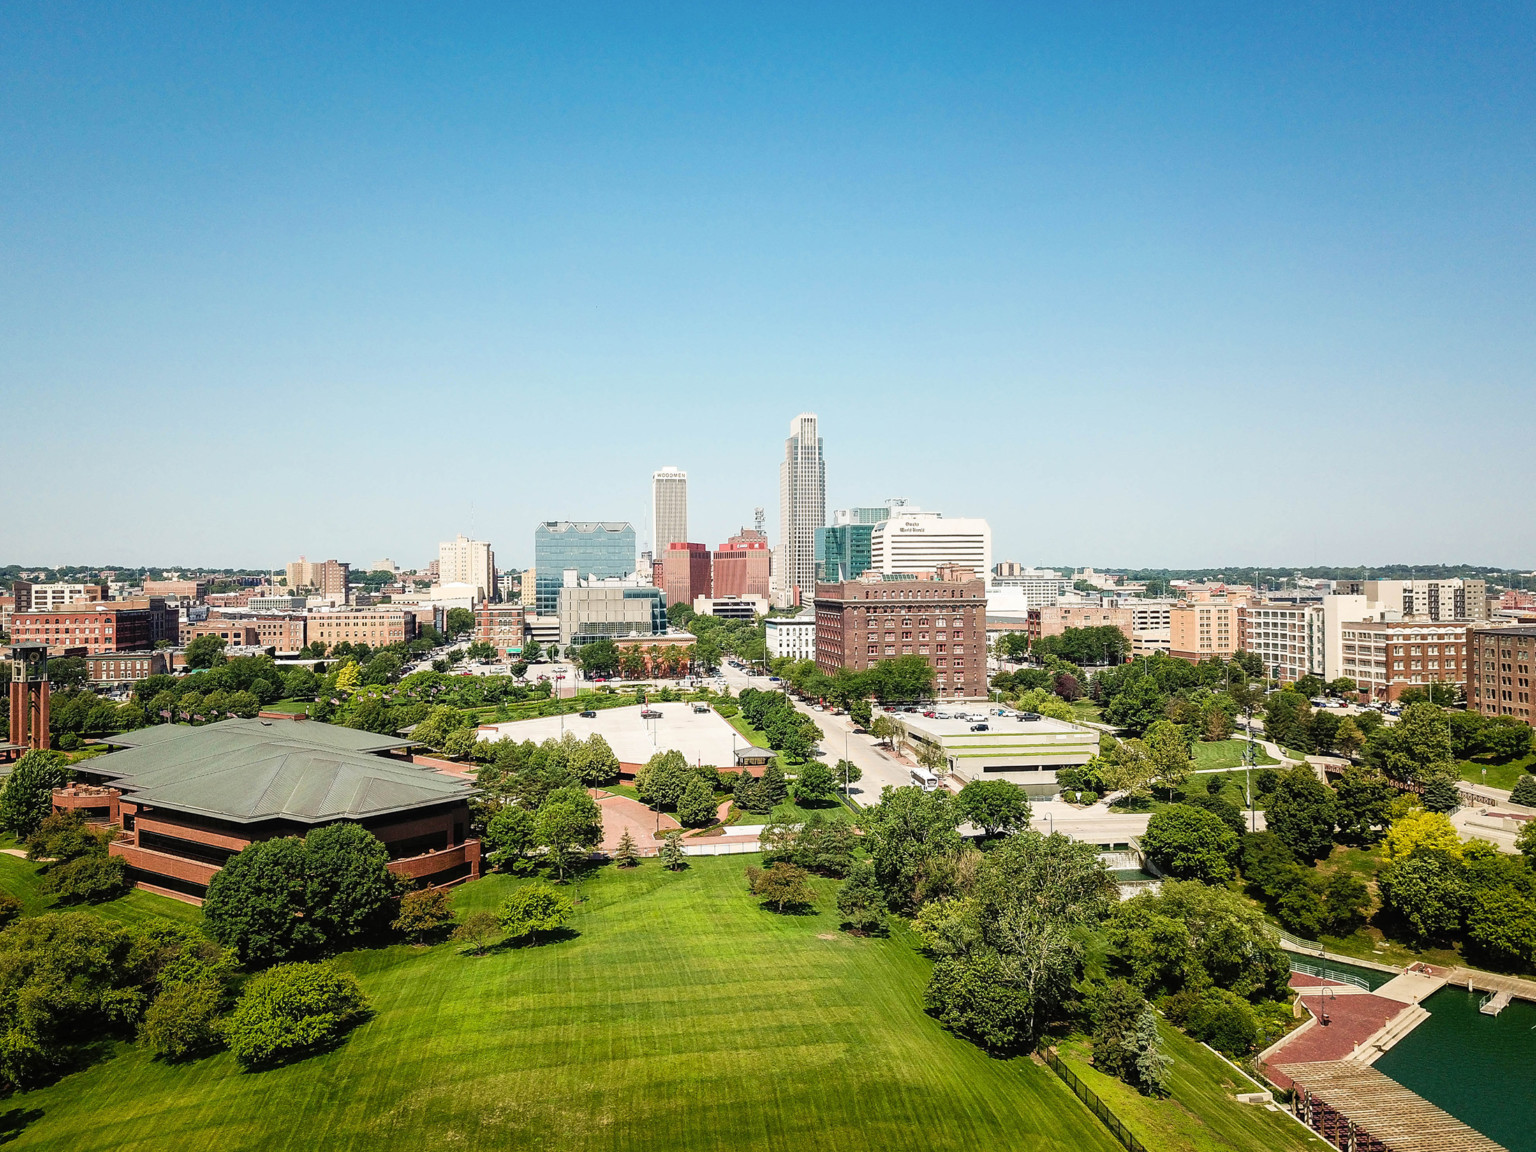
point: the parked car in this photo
(1028, 716)
(817, 708)
(650, 714)
(980, 728)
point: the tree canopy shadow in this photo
(15, 1121)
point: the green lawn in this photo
(1498, 775)
(20, 879)
(1087, 710)
(291, 706)
(681, 1016)
(1215, 754)
(1200, 1113)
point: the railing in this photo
(1089, 1097)
(1330, 974)
(1299, 942)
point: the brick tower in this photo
(29, 695)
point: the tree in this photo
(884, 729)
(931, 756)
(1428, 893)
(205, 651)
(535, 909)
(1416, 747)
(1301, 813)
(1525, 842)
(847, 773)
(1506, 741)
(1168, 753)
(599, 658)
(1348, 739)
(1525, 791)
(350, 890)
(1151, 1064)
(477, 929)
(783, 885)
(182, 1023)
(1196, 935)
(569, 820)
(87, 879)
(815, 784)
(1440, 791)
(531, 652)
(424, 914)
(1363, 798)
(861, 713)
(1345, 900)
(625, 856)
(994, 806)
(1501, 923)
(1127, 768)
(509, 836)
(257, 903)
(460, 622)
(860, 900)
(1421, 833)
(772, 786)
(661, 779)
(1191, 844)
(292, 1011)
(26, 799)
(696, 806)
(671, 853)
(912, 838)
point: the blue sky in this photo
(1143, 285)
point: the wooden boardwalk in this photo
(1358, 1108)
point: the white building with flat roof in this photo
(793, 637)
(466, 561)
(1025, 752)
(922, 541)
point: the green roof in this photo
(245, 771)
(311, 732)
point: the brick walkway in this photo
(620, 813)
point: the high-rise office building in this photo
(915, 541)
(669, 504)
(802, 510)
(843, 549)
(466, 561)
(601, 549)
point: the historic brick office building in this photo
(1499, 662)
(942, 619)
(187, 799)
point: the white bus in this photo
(925, 779)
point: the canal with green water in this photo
(1480, 1069)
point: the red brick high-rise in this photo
(742, 566)
(942, 619)
(685, 573)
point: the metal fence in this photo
(1333, 974)
(1089, 1097)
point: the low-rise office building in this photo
(91, 627)
(1028, 753)
(731, 607)
(791, 637)
(187, 799)
(180, 589)
(1387, 657)
(501, 626)
(232, 632)
(608, 609)
(1054, 619)
(127, 667)
(375, 627)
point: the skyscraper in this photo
(669, 500)
(802, 510)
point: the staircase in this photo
(1494, 1003)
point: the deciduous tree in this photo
(1191, 844)
(292, 1011)
(534, 909)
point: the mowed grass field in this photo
(1215, 754)
(681, 1015)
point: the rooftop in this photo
(247, 771)
(961, 719)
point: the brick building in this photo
(164, 621)
(375, 627)
(1054, 619)
(1387, 657)
(181, 589)
(944, 619)
(1204, 629)
(92, 627)
(327, 577)
(742, 566)
(187, 799)
(1499, 661)
(126, 667)
(500, 626)
(685, 573)
(236, 633)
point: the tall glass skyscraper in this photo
(593, 548)
(802, 510)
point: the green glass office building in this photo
(843, 552)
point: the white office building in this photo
(466, 561)
(669, 507)
(802, 510)
(913, 541)
(792, 636)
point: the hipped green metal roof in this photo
(244, 771)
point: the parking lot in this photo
(702, 737)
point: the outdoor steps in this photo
(1494, 1004)
(1370, 1049)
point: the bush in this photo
(1191, 844)
(1224, 1021)
(182, 1023)
(972, 997)
(64, 836)
(292, 1011)
(10, 909)
(87, 879)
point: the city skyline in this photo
(1128, 265)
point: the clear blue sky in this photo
(1143, 285)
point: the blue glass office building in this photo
(843, 552)
(593, 548)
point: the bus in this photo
(925, 779)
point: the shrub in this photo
(64, 836)
(87, 879)
(860, 900)
(10, 909)
(477, 929)
(182, 1023)
(291, 1011)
